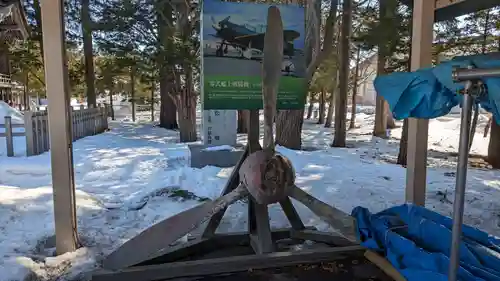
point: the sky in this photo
(253, 14)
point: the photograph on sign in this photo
(233, 43)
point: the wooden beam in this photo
(445, 3)
(421, 56)
(206, 267)
(9, 27)
(450, 9)
(56, 80)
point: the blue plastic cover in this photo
(417, 243)
(430, 92)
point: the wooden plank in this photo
(207, 245)
(340, 221)
(384, 265)
(260, 233)
(227, 265)
(323, 237)
(450, 9)
(418, 129)
(258, 216)
(445, 3)
(291, 214)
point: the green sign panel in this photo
(233, 42)
(233, 92)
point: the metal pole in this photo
(464, 74)
(458, 205)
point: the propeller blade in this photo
(226, 19)
(154, 240)
(273, 57)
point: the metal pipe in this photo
(466, 74)
(458, 204)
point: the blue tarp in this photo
(430, 92)
(417, 242)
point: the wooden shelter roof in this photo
(13, 24)
(450, 9)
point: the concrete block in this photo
(218, 158)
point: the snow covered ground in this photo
(138, 165)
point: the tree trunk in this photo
(391, 123)
(335, 91)
(322, 107)
(153, 88)
(88, 53)
(311, 106)
(355, 91)
(38, 26)
(289, 122)
(339, 139)
(289, 128)
(132, 92)
(494, 146)
(168, 110)
(112, 110)
(26, 99)
(187, 109)
(488, 126)
(403, 145)
(380, 128)
(331, 109)
(243, 116)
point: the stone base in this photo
(218, 158)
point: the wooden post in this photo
(36, 133)
(9, 141)
(44, 134)
(418, 129)
(57, 86)
(28, 132)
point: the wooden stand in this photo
(212, 253)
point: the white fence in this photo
(85, 122)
